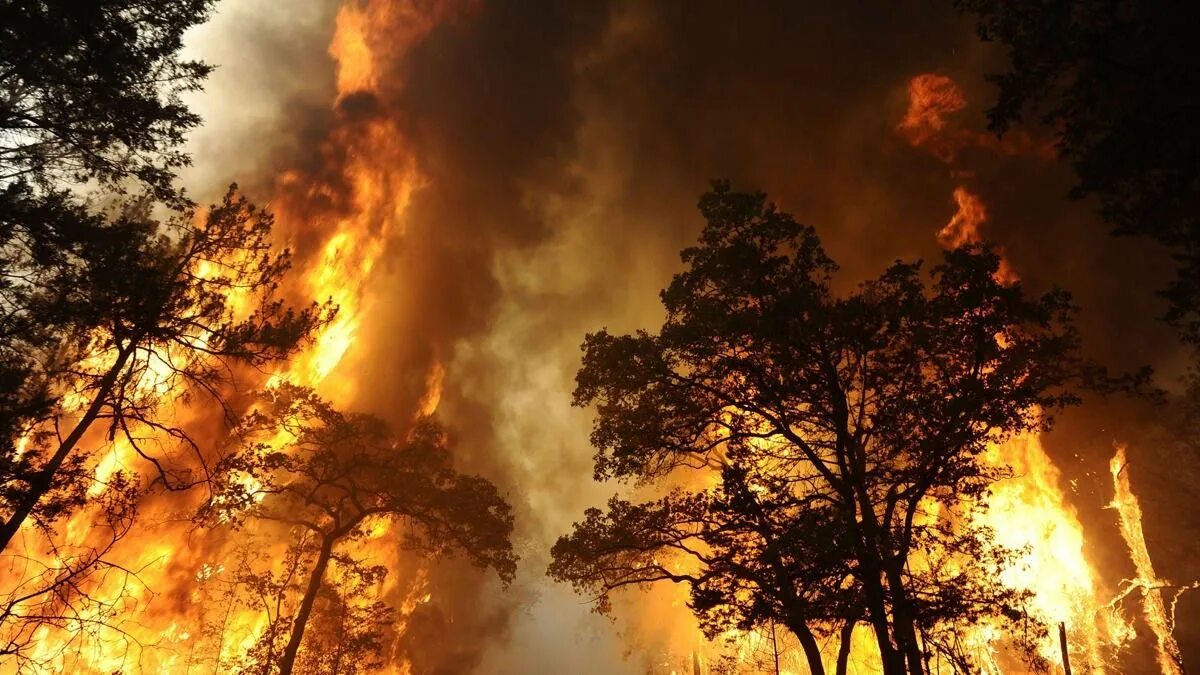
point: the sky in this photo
(562, 147)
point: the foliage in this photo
(91, 90)
(171, 308)
(88, 92)
(841, 435)
(333, 476)
(1116, 81)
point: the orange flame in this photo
(374, 178)
(1159, 615)
(931, 99)
(928, 123)
(963, 229)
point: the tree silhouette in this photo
(174, 307)
(105, 310)
(91, 90)
(1116, 81)
(70, 590)
(844, 432)
(335, 474)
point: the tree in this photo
(1117, 84)
(845, 430)
(333, 476)
(91, 90)
(69, 592)
(174, 306)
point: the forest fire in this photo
(371, 195)
(209, 466)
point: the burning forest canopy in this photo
(292, 299)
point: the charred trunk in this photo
(904, 623)
(808, 642)
(877, 615)
(845, 636)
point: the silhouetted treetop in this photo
(332, 471)
(1117, 83)
(329, 475)
(836, 436)
(92, 89)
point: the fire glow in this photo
(182, 616)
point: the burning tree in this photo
(154, 312)
(175, 307)
(110, 306)
(839, 438)
(334, 478)
(88, 92)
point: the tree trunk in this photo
(812, 651)
(774, 647)
(44, 480)
(877, 616)
(288, 661)
(903, 624)
(1062, 643)
(843, 658)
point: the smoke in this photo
(561, 148)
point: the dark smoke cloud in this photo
(565, 145)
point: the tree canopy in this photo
(91, 90)
(89, 93)
(1117, 83)
(331, 477)
(841, 434)
(173, 306)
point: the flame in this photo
(1029, 512)
(171, 597)
(159, 609)
(932, 99)
(963, 229)
(929, 123)
(1159, 615)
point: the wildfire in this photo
(372, 180)
(934, 102)
(189, 587)
(1030, 513)
(932, 99)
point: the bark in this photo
(893, 660)
(288, 661)
(843, 658)
(808, 642)
(44, 480)
(1062, 643)
(903, 624)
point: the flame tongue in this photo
(1029, 511)
(1159, 615)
